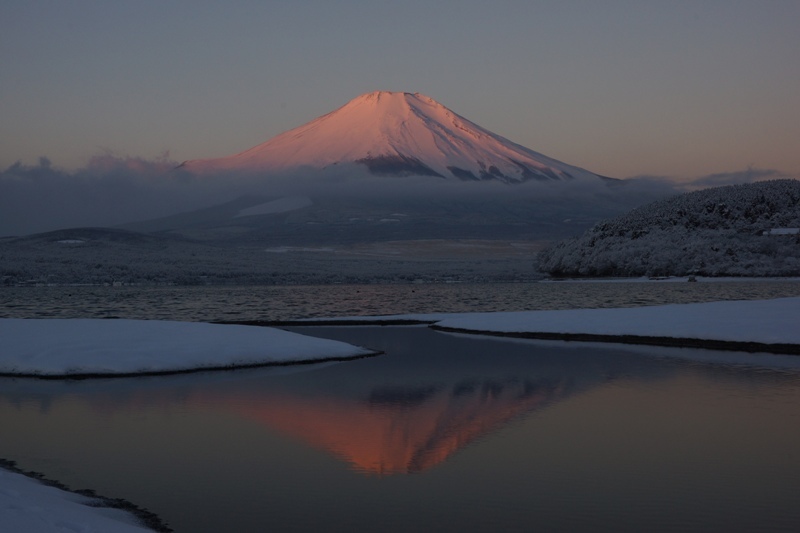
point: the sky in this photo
(676, 89)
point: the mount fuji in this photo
(326, 182)
(396, 134)
(315, 205)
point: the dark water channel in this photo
(443, 433)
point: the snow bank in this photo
(28, 505)
(75, 347)
(766, 322)
(751, 325)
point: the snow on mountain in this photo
(281, 205)
(397, 134)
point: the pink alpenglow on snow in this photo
(75, 347)
(397, 134)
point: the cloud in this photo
(113, 190)
(108, 191)
(721, 179)
(749, 175)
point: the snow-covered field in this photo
(81, 347)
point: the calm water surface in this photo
(443, 433)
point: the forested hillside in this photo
(738, 230)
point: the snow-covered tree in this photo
(712, 232)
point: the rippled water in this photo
(286, 303)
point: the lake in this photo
(221, 303)
(442, 433)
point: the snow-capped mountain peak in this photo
(397, 133)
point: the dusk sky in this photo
(623, 88)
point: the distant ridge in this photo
(397, 134)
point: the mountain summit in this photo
(397, 134)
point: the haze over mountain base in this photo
(389, 187)
(343, 234)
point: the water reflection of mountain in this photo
(430, 396)
(402, 429)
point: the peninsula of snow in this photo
(97, 347)
(740, 325)
(762, 323)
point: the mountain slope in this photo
(738, 230)
(397, 134)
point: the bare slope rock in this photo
(396, 134)
(738, 230)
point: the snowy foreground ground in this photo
(30, 506)
(92, 347)
(103, 347)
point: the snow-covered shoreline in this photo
(105, 348)
(754, 325)
(33, 504)
(739, 325)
